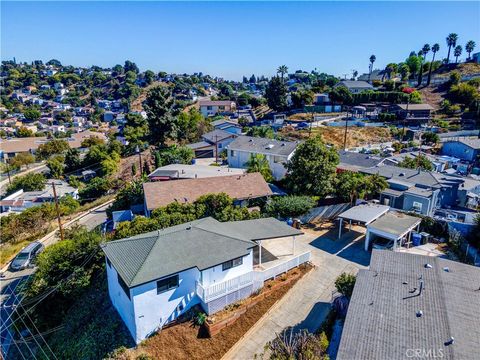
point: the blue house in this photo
(465, 149)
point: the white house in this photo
(155, 277)
(277, 153)
(210, 108)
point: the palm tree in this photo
(469, 46)
(425, 51)
(372, 60)
(282, 70)
(451, 41)
(435, 49)
(259, 163)
(457, 52)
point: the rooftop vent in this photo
(450, 341)
(446, 269)
(283, 144)
(251, 140)
(269, 146)
(428, 266)
(402, 174)
(419, 313)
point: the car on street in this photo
(26, 257)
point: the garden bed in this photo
(184, 341)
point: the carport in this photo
(393, 226)
(363, 214)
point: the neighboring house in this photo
(321, 99)
(227, 125)
(376, 74)
(22, 200)
(423, 191)
(181, 171)
(121, 216)
(465, 149)
(412, 111)
(355, 161)
(155, 277)
(476, 58)
(211, 108)
(412, 306)
(212, 144)
(10, 147)
(355, 87)
(276, 152)
(239, 187)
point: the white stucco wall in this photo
(241, 157)
(120, 301)
(153, 310)
(216, 274)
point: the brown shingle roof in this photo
(158, 194)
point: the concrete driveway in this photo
(308, 302)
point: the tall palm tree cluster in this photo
(404, 69)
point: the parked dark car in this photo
(26, 257)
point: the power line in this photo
(16, 345)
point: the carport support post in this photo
(367, 240)
(340, 229)
(350, 226)
(293, 243)
(260, 252)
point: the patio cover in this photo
(393, 226)
(365, 213)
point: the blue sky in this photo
(232, 39)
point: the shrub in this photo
(289, 206)
(28, 182)
(300, 345)
(345, 284)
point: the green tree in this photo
(174, 155)
(261, 131)
(161, 115)
(282, 70)
(350, 186)
(276, 94)
(414, 63)
(405, 71)
(131, 194)
(374, 184)
(72, 160)
(469, 47)
(419, 162)
(32, 114)
(457, 52)
(136, 131)
(21, 159)
(464, 93)
(435, 49)
(341, 94)
(96, 188)
(23, 132)
(259, 163)
(56, 165)
(345, 284)
(430, 138)
(28, 182)
(312, 168)
(370, 67)
(191, 125)
(52, 147)
(289, 206)
(451, 42)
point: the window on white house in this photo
(124, 286)
(232, 152)
(232, 263)
(417, 206)
(167, 284)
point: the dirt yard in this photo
(184, 341)
(356, 136)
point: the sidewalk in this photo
(305, 306)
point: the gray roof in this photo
(470, 142)
(414, 107)
(182, 171)
(350, 159)
(395, 223)
(365, 213)
(425, 178)
(354, 84)
(201, 243)
(381, 322)
(217, 135)
(263, 145)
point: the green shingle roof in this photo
(202, 244)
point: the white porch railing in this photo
(282, 267)
(214, 291)
(257, 277)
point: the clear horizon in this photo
(233, 39)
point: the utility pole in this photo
(216, 149)
(58, 211)
(345, 136)
(137, 150)
(8, 173)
